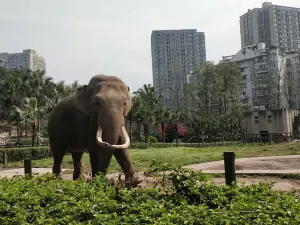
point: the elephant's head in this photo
(108, 99)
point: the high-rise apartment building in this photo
(271, 78)
(28, 59)
(273, 25)
(175, 53)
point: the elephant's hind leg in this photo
(77, 162)
(58, 157)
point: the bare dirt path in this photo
(268, 166)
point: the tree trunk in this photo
(33, 138)
(163, 132)
(146, 131)
(38, 132)
(139, 131)
(278, 96)
(18, 133)
(176, 129)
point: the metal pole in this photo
(229, 165)
(27, 166)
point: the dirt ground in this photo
(291, 162)
(278, 183)
(267, 166)
(255, 165)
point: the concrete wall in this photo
(273, 121)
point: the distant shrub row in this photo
(18, 154)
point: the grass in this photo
(181, 156)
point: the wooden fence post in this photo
(229, 165)
(27, 166)
(4, 158)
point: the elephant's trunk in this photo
(109, 130)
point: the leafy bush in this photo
(170, 145)
(188, 198)
(151, 139)
(18, 154)
(28, 141)
(139, 145)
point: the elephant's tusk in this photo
(99, 138)
(127, 140)
(105, 144)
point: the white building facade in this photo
(28, 59)
(265, 76)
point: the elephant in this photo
(92, 120)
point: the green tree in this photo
(147, 101)
(11, 91)
(175, 118)
(162, 118)
(27, 116)
(214, 98)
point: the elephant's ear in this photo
(128, 106)
(128, 103)
(81, 100)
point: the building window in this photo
(269, 119)
(256, 119)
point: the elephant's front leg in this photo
(123, 158)
(100, 159)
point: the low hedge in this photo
(141, 145)
(18, 154)
(28, 141)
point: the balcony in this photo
(261, 70)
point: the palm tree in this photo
(37, 85)
(162, 118)
(27, 116)
(133, 114)
(148, 101)
(175, 118)
(11, 92)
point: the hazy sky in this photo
(82, 38)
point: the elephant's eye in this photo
(97, 102)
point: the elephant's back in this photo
(67, 125)
(59, 114)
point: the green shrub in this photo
(18, 154)
(28, 141)
(187, 198)
(139, 145)
(151, 139)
